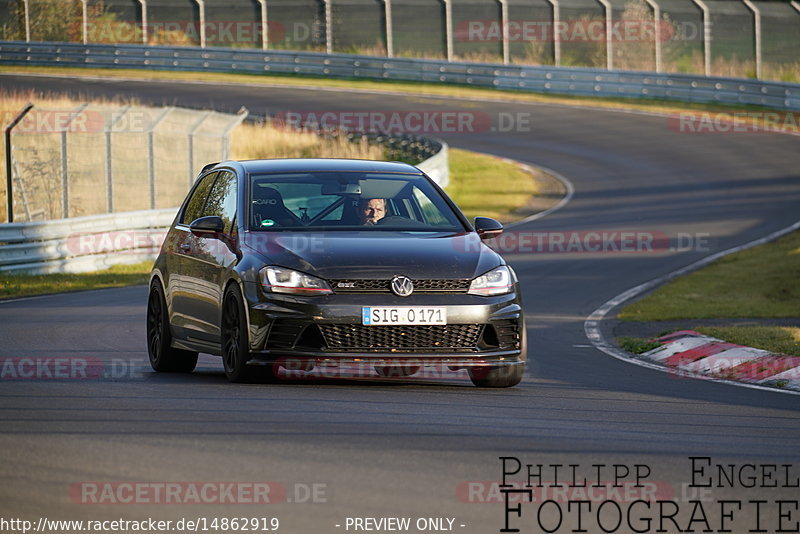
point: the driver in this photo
(371, 210)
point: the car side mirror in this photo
(488, 228)
(207, 225)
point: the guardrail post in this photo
(448, 28)
(85, 20)
(657, 35)
(609, 33)
(264, 27)
(65, 163)
(9, 176)
(556, 33)
(706, 36)
(201, 5)
(757, 32)
(27, 8)
(143, 5)
(151, 157)
(328, 27)
(504, 23)
(387, 15)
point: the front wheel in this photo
(235, 349)
(163, 357)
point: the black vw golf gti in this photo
(328, 262)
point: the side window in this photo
(222, 199)
(194, 207)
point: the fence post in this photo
(201, 4)
(504, 23)
(556, 36)
(65, 164)
(264, 27)
(609, 33)
(706, 36)
(240, 116)
(757, 31)
(143, 4)
(151, 158)
(328, 27)
(448, 28)
(26, 6)
(9, 177)
(193, 130)
(109, 165)
(387, 14)
(657, 30)
(85, 20)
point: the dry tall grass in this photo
(265, 141)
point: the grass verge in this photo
(415, 88)
(508, 188)
(758, 282)
(25, 285)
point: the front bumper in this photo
(481, 330)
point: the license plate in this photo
(415, 315)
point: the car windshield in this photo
(348, 201)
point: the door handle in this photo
(186, 247)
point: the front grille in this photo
(411, 338)
(384, 286)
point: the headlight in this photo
(282, 280)
(496, 282)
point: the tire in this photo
(397, 371)
(504, 376)
(235, 349)
(163, 357)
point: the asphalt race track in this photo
(410, 449)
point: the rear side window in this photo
(194, 207)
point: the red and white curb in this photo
(692, 354)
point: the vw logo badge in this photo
(402, 286)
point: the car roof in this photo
(266, 166)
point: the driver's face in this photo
(373, 211)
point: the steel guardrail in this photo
(557, 80)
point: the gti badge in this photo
(402, 286)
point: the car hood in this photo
(376, 255)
